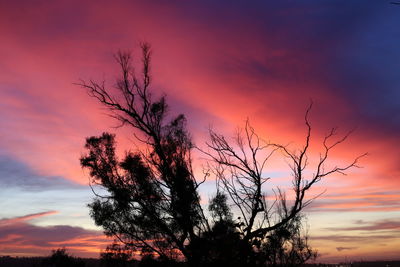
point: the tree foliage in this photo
(61, 258)
(116, 256)
(153, 205)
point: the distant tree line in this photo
(60, 257)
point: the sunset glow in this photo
(219, 63)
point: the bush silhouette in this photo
(60, 258)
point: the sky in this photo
(219, 63)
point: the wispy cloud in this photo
(21, 219)
(357, 201)
(16, 174)
(381, 225)
(345, 248)
(19, 237)
(355, 238)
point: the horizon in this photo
(219, 64)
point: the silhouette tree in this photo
(239, 168)
(273, 228)
(116, 256)
(152, 205)
(287, 245)
(60, 258)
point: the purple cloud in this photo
(18, 236)
(371, 226)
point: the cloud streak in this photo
(383, 225)
(22, 219)
(16, 174)
(345, 248)
(19, 237)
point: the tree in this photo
(116, 256)
(273, 227)
(287, 245)
(153, 206)
(60, 258)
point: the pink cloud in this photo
(262, 81)
(25, 218)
